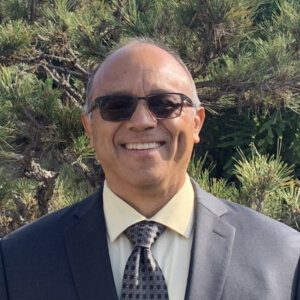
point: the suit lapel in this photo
(87, 250)
(211, 251)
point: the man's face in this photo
(143, 152)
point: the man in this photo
(143, 118)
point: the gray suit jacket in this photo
(237, 254)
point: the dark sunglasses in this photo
(116, 108)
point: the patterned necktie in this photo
(143, 278)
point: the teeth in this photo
(143, 146)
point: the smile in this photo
(142, 146)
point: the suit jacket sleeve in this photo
(298, 283)
(3, 290)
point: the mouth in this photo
(142, 146)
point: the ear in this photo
(198, 122)
(88, 126)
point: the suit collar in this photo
(86, 246)
(211, 250)
(213, 204)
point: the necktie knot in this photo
(144, 234)
(143, 278)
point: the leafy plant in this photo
(14, 36)
(243, 56)
(261, 177)
(264, 183)
(218, 187)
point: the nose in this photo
(142, 118)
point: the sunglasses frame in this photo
(184, 99)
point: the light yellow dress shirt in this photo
(172, 250)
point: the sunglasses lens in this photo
(117, 108)
(121, 107)
(165, 106)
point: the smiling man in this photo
(150, 232)
(145, 158)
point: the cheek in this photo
(182, 139)
(104, 131)
(185, 144)
(102, 138)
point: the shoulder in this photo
(259, 229)
(249, 223)
(259, 241)
(52, 225)
(264, 253)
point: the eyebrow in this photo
(152, 92)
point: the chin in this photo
(145, 179)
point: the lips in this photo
(142, 146)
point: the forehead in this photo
(140, 70)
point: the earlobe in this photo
(87, 124)
(198, 122)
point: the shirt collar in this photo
(177, 214)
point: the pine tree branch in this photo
(20, 205)
(72, 61)
(36, 172)
(73, 100)
(145, 4)
(76, 64)
(16, 156)
(42, 57)
(42, 38)
(214, 97)
(271, 84)
(208, 83)
(28, 70)
(11, 214)
(62, 83)
(65, 70)
(93, 177)
(31, 118)
(32, 16)
(292, 221)
(9, 220)
(47, 179)
(54, 57)
(192, 20)
(44, 194)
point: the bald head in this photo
(141, 152)
(138, 55)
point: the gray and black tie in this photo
(143, 278)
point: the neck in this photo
(146, 200)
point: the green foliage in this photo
(243, 56)
(24, 98)
(68, 123)
(5, 188)
(13, 10)
(260, 176)
(7, 128)
(218, 187)
(14, 36)
(81, 147)
(88, 27)
(70, 188)
(269, 131)
(147, 18)
(263, 182)
(268, 186)
(25, 189)
(22, 188)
